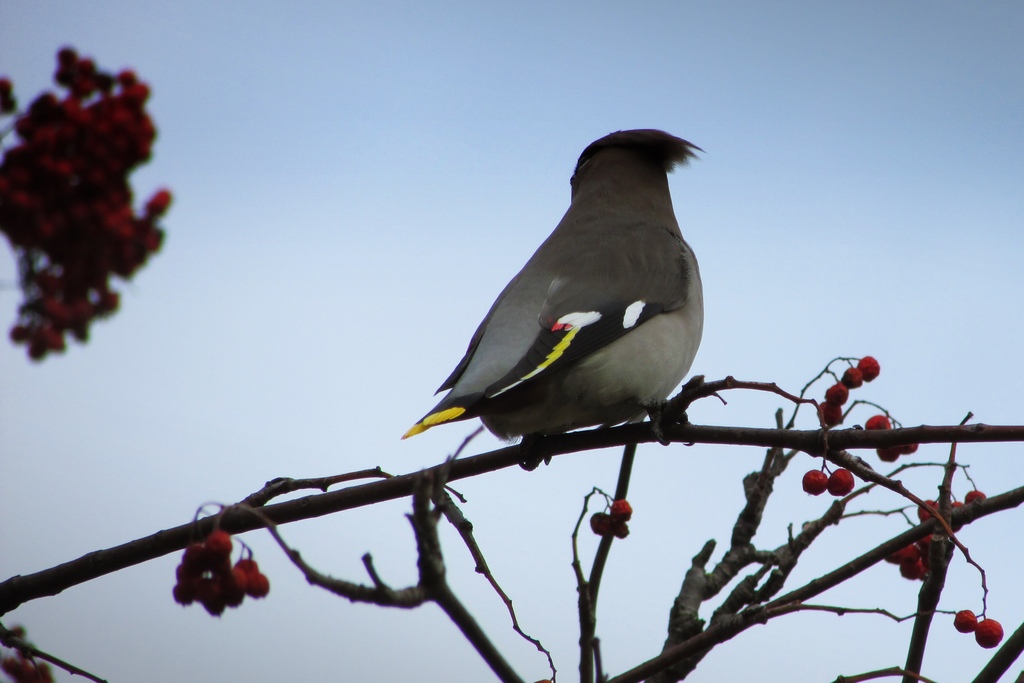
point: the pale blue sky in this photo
(355, 182)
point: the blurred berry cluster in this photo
(22, 668)
(206, 576)
(65, 199)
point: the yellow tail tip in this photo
(417, 428)
(434, 419)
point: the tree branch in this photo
(20, 589)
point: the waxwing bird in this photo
(604, 320)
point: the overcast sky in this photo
(355, 182)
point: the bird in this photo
(605, 318)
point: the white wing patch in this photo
(571, 324)
(571, 320)
(632, 314)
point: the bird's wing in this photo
(564, 338)
(583, 314)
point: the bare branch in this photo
(20, 589)
(29, 651)
(891, 672)
(730, 626)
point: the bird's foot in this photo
(527, 459)
(655, 412)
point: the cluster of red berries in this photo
(23, 670)
(892, 453)
(866, 370)
(17, 666)
(66, 203)
(206, 575)
(913, 559)
(839, 483)
(987, 632)
(614, 521)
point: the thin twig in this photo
(29, 651)
(284, 485)
(891, 672)
(731, 626)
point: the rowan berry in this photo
(890, 454)
(923, 514)
(913, 570)
(840, 482)
(259, 585)
(837, 394)
(219, 543)
(973, 496)
(621, 510)
(831, 414)
(853, 378)
(878, 422)
(989, 633)
(869, 368)
(601, 523)
(184, 592)
(910, 553)
(965, 621)
(815, 482)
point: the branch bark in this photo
(17, 590)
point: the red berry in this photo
(910, 553)
(973, 496)
(877, 422)
(195, 557)
(219, 543)
(923, 514)
(621, 510)
(815, 482)
(158, 203)
(831, 414)
(989, 633)
(241, 575)
(232, 591)
(909, 449)
(965, 621)
(248, 566)
(127, 78)
(107, 303)
(840, 482)
(890, 454)
(259, 586)
(5, 87)
(601, 523)
(620, 529)
(837, 394)
(184, 592)
(869, 368)
(67, 57)
(21, 333)
(912, 570)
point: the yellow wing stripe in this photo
(433, 420)
(555, 354)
